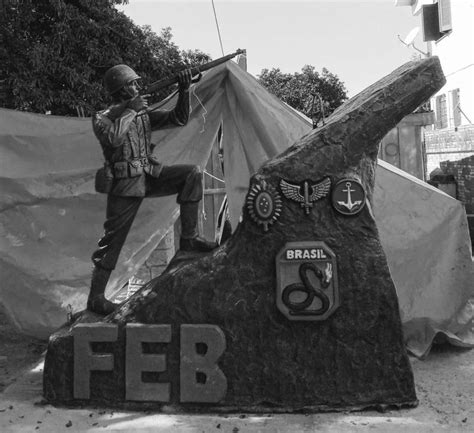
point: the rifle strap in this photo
(197, 79)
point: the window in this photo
(444, 12)
(456, 106)
(441, 112)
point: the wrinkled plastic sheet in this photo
(51, 218)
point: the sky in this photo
(356, 40)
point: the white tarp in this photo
(51, 218)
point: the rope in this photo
(214, 177)
(204, 215)
(204, 172)
(204, 114)
(218, 30)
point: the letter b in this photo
(201, 380)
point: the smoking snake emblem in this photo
(307, 287)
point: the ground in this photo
(17, 352)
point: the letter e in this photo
(136, 362)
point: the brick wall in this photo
(450, 144)
(463, 172)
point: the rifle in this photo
(117, 109)
(165, 82)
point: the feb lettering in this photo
(201, 346)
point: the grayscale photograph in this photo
(236, 216)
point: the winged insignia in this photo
(301, 193)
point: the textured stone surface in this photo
(356, 357)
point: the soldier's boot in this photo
(96, 302)
(190, 240)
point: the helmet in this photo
(118, 76)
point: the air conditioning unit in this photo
(436, 20)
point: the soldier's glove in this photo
(184, 79)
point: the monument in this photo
(295, 312)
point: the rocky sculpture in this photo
(295, 312)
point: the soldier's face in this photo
(132, 89)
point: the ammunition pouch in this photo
(135, 167)
(128, 169)
(104, 179)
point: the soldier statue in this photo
(132, 173)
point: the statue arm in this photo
(110, 127)
(178, 116)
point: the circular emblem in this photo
(348, 197)
(264, 204)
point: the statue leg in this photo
(121, 212)
(97, 302)
(190, 240)
(186, 181)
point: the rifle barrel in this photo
(165, 82)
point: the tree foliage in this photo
(54, 53)
(306, 90)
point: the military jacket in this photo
(125, 138)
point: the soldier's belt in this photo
(133, 168)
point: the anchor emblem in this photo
(349, 204)
(348, 197)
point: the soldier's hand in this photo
(184, 79)
(139, 103)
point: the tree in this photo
(54, 53)
(306, 90)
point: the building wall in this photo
(456, 53)
(403, 146)
(451, 144)
(455, 50)
(463, 172)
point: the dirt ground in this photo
(444, 384)
(17, 352)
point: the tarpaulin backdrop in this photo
(51, 218)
